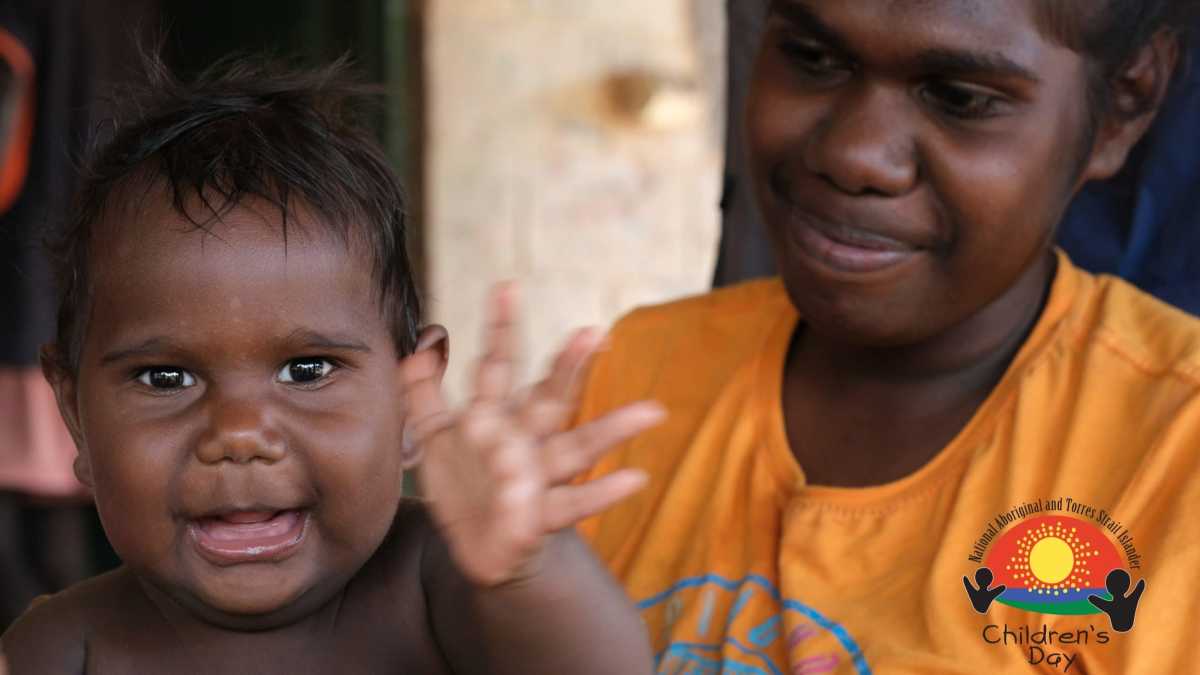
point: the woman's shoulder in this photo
(1134, 327)
(730, 306)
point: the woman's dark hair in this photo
(245, 128)
(1110, 33)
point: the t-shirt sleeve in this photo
(597, 398)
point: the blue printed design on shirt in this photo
(707, 651)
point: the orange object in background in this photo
(35, 450)
(17, 135)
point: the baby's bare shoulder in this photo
(395, 571)
(387, 600)
(51, 636)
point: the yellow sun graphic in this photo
(1051, 560)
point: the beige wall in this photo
(573, 145)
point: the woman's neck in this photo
(979, 348)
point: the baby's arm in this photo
(511, 571)
(572, 617)
(46, 639)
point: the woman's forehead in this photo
(1059, 20)
(925, 34)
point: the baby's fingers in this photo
(553, 399)
(574, 451)
(566, 505)
(564, 379)
(427, 409)
(494, 372)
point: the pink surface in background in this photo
(36, 451)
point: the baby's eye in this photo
(301, 371)
(166, 377)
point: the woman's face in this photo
(913, 158)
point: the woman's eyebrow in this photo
(966, 62)
(802, 17)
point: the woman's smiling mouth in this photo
(847, 242)
(249, 536)
(844, 248)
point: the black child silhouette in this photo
(1120, 609)
(982, 597)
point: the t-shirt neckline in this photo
(768, 389)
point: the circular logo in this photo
(1052, 564)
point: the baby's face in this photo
(239, 409)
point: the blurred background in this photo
(590, 149)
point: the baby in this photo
(241, 364)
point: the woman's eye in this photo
(163, 377)
(301, 371)
(963, 101)
(811, 57)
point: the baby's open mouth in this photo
(249, 536)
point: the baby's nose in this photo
(240, 431)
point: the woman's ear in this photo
(1136, 94)
(431, 357)
(63, 381)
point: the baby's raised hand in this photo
(498, 472)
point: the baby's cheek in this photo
(136, 524)
(131, 491)
(358, 502)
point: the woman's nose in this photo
(864, 145)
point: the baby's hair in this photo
(247, 127)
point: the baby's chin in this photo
(252, 597)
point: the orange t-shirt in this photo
(1085, 459)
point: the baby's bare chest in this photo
(155, 652)
(350, 642)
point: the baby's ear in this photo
(422, 373)
(435, 337)
(57, 371)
